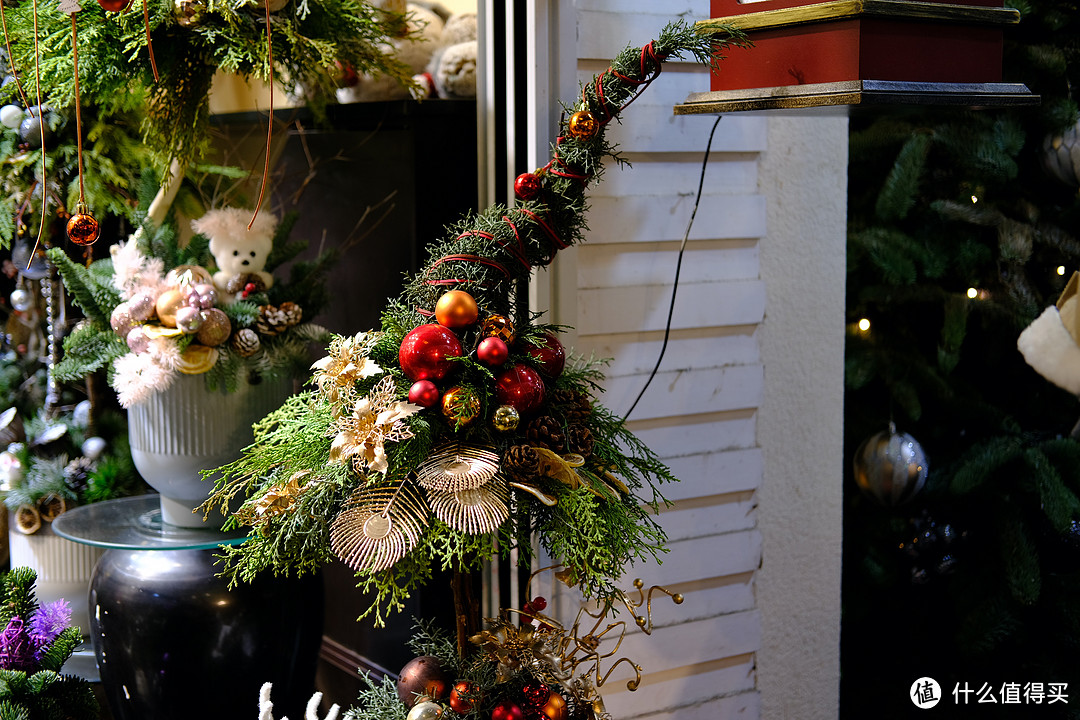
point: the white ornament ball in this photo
(93, 447)
(81, 414)
(21, 299)
(11, 116)
(426, 710)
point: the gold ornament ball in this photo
(82, 229)
(167, 304)
(188, 275)
(189, 12)
(425, 710)
(582, 125)
(506, 418)
(456, 309)
(215, 329)
(460, 405)
(498, 326)
(555, 707)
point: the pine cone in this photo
(239, 283)
(246, 342)
(561, 396)
(573, 404)
(521, 461)
(77, 474)
(275, 320)
(546, 432)
(579, 440)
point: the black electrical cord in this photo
(678, 269)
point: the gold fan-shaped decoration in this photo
(457, 466)
(472, 510)
(378, 526)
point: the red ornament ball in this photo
(507, 710)
(520, 387)
(550, 357)
(539, 604)
(527, 186)
(424, 352)
(82, 229)
(422, 677)
(535, 694)
(114, 5)
(492, 351)
(462, 696)
(456, 309)
(424, 393)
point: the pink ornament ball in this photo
(520, 387)
(425, 352)
(189, 319)
(206, 296)
(550, 357)
(121, 320)
(142, 306)
(424, 393)
(492, 351)
(137, 340)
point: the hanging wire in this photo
(41, 128)
(678, 270)
(270, 123)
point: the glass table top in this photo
(134, 523)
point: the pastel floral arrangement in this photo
(156, 309)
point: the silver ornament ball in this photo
(890, 467)
(426, 710)
(93, 447)
(21, 299)
(11, 116)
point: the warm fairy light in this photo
(864, 325)
(972, 293)
(974, 199)
(1060, 269)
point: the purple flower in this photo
(49, 621)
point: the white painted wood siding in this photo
(700, 412)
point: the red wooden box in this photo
(802, 43)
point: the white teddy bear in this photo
(240, 253)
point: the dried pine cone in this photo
(579, 439)
(77, 474)
(275, 320)
(246, 342)
(521, 461)
(581, 408)
(546, 432)
(560, 396)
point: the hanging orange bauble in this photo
(460, 406)
(582, 125)
(82, 228)
(456, 309)
(555, 707)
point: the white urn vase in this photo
(185, 429)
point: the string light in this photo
(974, 199)
(1060, 269)
(864, 325)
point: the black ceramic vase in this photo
(172, 641)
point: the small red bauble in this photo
(507, 710)
(492, 351)
(521, 388)
(82, 229)
(527, 186)
(460, 701)
(424, 393)
(550, 357)
(539, 604)
(536, 694)
(456, 309)
(424, 352)
(114, 5)
(422, 676)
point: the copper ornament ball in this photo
(498, 326)
(555, 707)
(582, 125)
(462, 696)
(422, 676)
(82, 229)
(460, 406)
(456, 309)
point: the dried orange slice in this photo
(27, 519)
(197, 359)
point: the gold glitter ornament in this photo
(582, 125)
(460, 406)
(498, 326)
(473, 510)
(378, 527)
(506, 418)
(457, 466)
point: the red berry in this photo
(539, 604)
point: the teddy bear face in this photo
(247, 256)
